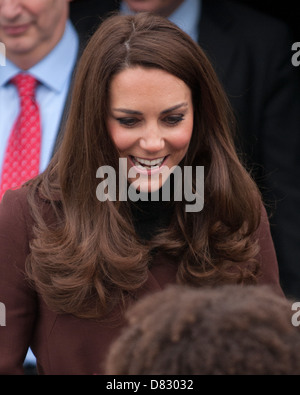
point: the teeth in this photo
(148, 163)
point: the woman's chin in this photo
(146, 186)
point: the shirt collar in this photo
(7, 72)
(53, 70)
(186, 16)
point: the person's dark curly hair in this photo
(228, 330)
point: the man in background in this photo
(41, 51)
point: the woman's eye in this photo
(129, 122)
(173, 119)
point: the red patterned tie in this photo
(22, 155)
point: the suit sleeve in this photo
(15, 293)
(280, 150)
(267, 256)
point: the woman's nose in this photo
(152, 140)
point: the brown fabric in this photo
(64, 344)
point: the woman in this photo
(144, 94)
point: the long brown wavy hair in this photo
(87, 258)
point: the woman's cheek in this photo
(121, 138)
(182, 138)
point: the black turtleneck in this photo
(151, 216)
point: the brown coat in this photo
(64, 344)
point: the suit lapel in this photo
(68, 101)
(215, 37)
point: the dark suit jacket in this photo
(251, 53)
(62, 343)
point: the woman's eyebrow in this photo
(127, 111)
(184, 104)
(135, 112)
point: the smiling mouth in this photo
(147, 164)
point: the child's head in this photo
(225, 330)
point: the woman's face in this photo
(150, 122)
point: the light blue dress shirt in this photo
(186, 16)
(54, 73)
